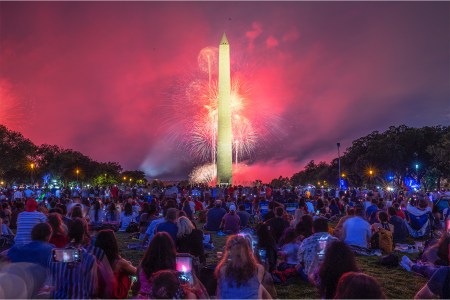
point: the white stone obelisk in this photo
(224, 134)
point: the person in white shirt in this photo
(356, 231)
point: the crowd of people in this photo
(68, 237)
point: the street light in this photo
(32, 169)
(370, 177)
(78, 172)
(339, 160)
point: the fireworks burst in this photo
(192, 116)
(204, 174)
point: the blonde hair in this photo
(238, 262)
(185, 226)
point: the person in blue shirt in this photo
(39, 251)
(169, 225)
(214, 216)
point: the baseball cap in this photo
(232, 207)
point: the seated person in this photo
(214, 216)
(307, 257)
(355, 285)
(243, 215)
(39, 251)
(400, 232)
(350, 212)
(231, 223)
(166, 285)
(382, 222)
(356, 231)
(437, 286)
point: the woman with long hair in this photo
(238, 274)
(354, 285)
(189, 239)
(96, 214)
(339, 259)
(160, 255)
(112, 215)
(59, 237)
(122, 269)
(127, 216)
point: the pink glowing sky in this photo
(97, 76)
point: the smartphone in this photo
(262, 255)
(69, 255)
(133, 279)
(318, 212)
(322, 246)
(184, 268)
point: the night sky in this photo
(109, 79)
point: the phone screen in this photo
(184, 268)
(184, 264)
(66, 255)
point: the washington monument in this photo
(224, 135)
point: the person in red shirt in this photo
(399, 212)
(59, 236)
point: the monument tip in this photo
(224, 40)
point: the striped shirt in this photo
(25, 223)
(75, 280)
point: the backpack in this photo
(385, 240)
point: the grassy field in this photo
(396, 282)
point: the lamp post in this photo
(78, 172)
(339, 161)
(32, 166)
(370, 177)
(417, 173)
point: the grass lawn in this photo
(397, 283)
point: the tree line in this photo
(21, 161)
(383, 158)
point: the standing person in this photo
(266, 242)
(238, 274)
(231, 221)
(278, 224)
(122, 269)
(189, 239)
(26, 221)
